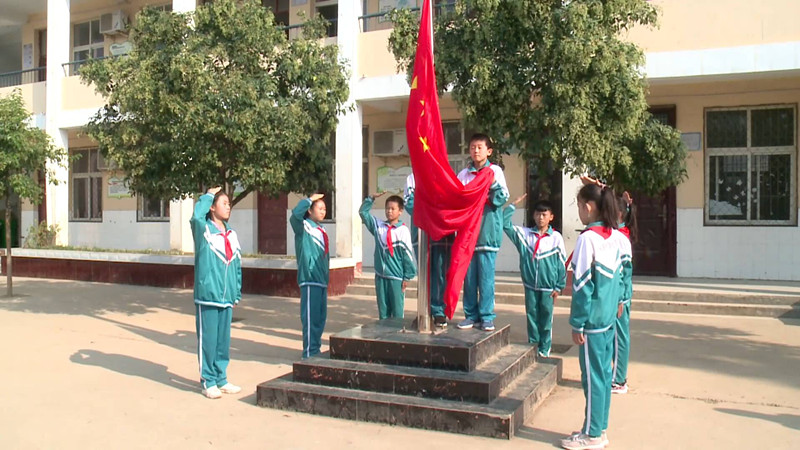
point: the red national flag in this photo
(442, 205)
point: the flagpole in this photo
(423, 286)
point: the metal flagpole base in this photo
(423, 290)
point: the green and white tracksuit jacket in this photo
(311, 246)
(491, 234)
(217, 278)
(597, 265)
(395, 262)
(541, 258)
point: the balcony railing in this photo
(71, 68)
(381, 21)
(20, 77)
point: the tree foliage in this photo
(24, 151)
(553, 80)
(220, 96)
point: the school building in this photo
(726, 74)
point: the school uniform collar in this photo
(599, 228)
(399, 222)
(549, 231)
(213, 226)
(473, 169)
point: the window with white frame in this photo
(153, 210)
(86, 181)
(751, 154)
(87, 42)
(456, 141)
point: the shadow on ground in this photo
(135, 367)
(788, 420)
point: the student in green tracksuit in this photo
(394, 257)
(439, 257)
(541, 265)
(622, 333)
(479, 280)
(313, 257)
(596, 289)
(217, 287)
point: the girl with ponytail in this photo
(597, 265)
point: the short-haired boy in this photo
(479, 311)
(394, 257)
(541, 264)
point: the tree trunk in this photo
(9, 288)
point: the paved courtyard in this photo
(111, 366)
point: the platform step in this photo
(483, 385)
(388, 342)
(498, 419)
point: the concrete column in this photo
(180, 231)
(570, 222)
(182, 6)
(180, 211)
(348, 143)
(58, 32)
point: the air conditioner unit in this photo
(115, 22)
(389, 143)
(104, 163)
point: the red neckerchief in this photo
(605, 232)
(539, 241)
(626, 232)
(389, 239)
(324, 238)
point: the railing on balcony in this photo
(71, 68)
(20, 77)
(381, 20)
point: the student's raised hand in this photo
(519, 199)
(627, 197)
(315, 197)
(377, 194)
(214, 190)
(578, 338)
(586, 179)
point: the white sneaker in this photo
(619, 388)
(230, 389)
(212, 392)
(582, 442)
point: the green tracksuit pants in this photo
(313, 313)
(595, 361)
(391, 297)
(622, 346)
(440, 262)
(539, 311)
(213, 326)
(480, 281)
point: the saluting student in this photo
(394, 257)
(541, 265)
(313, 259)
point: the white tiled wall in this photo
(120, 230)
(762, 253)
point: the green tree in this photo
(220, 96)
(24, 151)
(553, 80)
